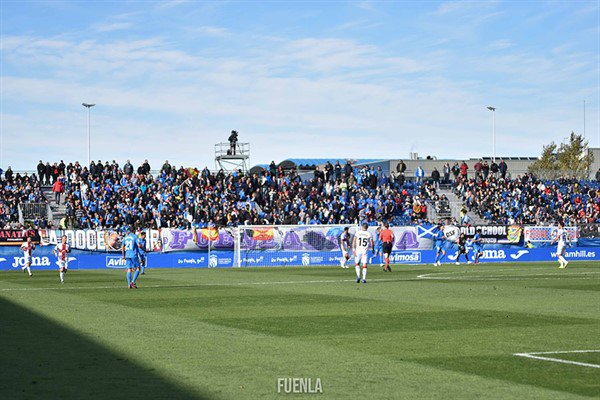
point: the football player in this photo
(360, 245)
(60, 251)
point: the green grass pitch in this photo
(420, 332)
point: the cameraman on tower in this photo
(233, 138)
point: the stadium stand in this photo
(295, 191)
(527, 200)
(108, 197)
(17, 191)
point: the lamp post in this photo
(493, 110)
(88, 106)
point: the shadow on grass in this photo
(40, 359)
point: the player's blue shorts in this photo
(142, 260)
(477, 249)
(136, 262)
(378, 248)
(439, 247)
(130, 263)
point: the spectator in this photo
(494, 169)
(464, 168)
(61, 168)
(419, 174)
(455, 171)
(128, 168)
(477, 167)
(446, 173)
(598, 175)
(57, 189)
(435, 177)
(503, 169)
(485, 169)
(401, 167)
(337, 168)
(146, 167)
(166, 168)
(8, 175)
(41, 170)
(47, 173)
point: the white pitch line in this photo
(560, 360)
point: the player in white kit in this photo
(362, 243)
(562, 238)
(27, 249)
(60, 251)
(345, 246)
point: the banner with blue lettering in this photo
(43, 259)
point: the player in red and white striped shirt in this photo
(60, 251)
(27, 249)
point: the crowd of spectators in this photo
(527, 200)
(17, 189)
(110, 196)
(107, 195)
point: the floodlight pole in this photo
(88, 106)
(493, 110)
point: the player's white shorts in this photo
(27, 259)
(63, 264)
(561, 249)
(361, 258)
(344, 253)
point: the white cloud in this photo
(212, 31)
(500, 44)
(112, 26)
(307, 96)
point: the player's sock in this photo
(29, 271)
(143, 270)
(364, 274)
(128, 278)
(342, 262)
(562, 260)
(62, 276)
(357, 269)
(135, 275)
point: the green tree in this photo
(546, 166)
(572, 158)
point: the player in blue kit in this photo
(378, 250)
(131, 257)
(477, 245)
(142, 251)
(439, 244)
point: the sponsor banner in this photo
(495, 234)
(271, 259)
(18, 237)
(198, 239)
(532, 255)
(225, 259)
(313, 238)
(490, 234)
(217, 259)
(45, 260)
(92, 240)
(545, 234)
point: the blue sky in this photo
(367, 79)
